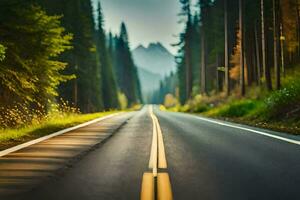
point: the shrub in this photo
(284, 102)
(170, 101)
(237, 108)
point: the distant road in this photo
(192, 158)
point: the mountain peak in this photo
(140, 47)
(157, 47)
(154, 58)
(154, 47)
(155, 44)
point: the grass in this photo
(12, 137)
(277, 110)
(238, 108)
(253, 113)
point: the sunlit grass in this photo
(10, 137)
(277, 110)
(238, 108)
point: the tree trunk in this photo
(227, 76)
(282, 51)
(263, 42)
(203, 63)
(276, 66)
(258, 66)
(266, 70)
(242, 68)
(188, 72)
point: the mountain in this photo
(154, 63)
(155, 58)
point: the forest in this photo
(237, 58)
(54, 55)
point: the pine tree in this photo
(126, 71)
(109, 89)
(29, 71)
(86, 90)
(204, 5)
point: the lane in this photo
(22, 170)
(113, 171)
(210, 161)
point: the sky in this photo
(146, 20)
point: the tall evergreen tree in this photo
(86, 90)
(204, 5)
(109, 88)
(126, 71)
(29, 71)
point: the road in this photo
(201, 159)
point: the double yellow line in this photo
(156, 185)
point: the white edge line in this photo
(248, 129)
(32, 142)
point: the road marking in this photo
(158, 155)
(147, 192)
(164, 191)
(32, 142)
(156, 185)
(154, 147)
(251, 130)
(162, 162)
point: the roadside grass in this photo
(238, 108)
(54, 123)
(276, 110)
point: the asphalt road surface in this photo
(204, 159)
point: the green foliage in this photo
(33, 40)
(200, 108)
(277, 105)
(83, 60)
(237, 109)
(2, 52)
(285, 102)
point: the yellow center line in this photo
(156, 185)
(162, 162)
(154, 148)
(164, 191)
(147, 192)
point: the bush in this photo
(201, 108)
(170, 101)
(284, 102)
(236, 109)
